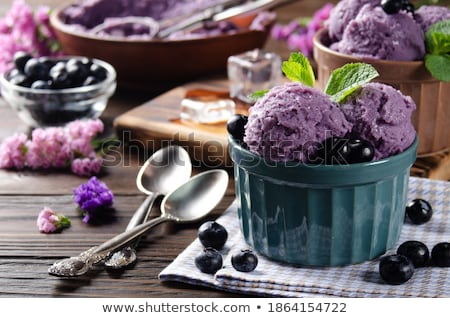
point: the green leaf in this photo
(348, 78)
(438, 66)
(298, 69)
(258, 94)
(63, 222)
(437, 38)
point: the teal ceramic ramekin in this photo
(321, 215)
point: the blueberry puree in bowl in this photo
(89, 13)
(123, 18)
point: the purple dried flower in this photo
(51, 222)
(299, 34)
(55, 147)
(93, 197)
(23, 29)
(86, 166)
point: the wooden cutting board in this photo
(157, 123)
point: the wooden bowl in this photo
(156, 65)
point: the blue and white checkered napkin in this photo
(276, 279)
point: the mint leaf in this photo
(348, 78)
(258, 94)
(437, 38)
(438, 66)
(298, 69)
(437, 60)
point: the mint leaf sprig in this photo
(437, 59)
(298, 69)
(345, 80)
(342, 82)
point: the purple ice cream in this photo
(106, 18)
(341, 15)
(381, 115)
(89, 13)
(290, 121)
(375, 34)
(426, 16)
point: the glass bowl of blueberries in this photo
(51, 91)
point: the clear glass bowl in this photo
(56, 107)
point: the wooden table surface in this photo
(26, 254)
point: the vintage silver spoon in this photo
(190, 202)
(164, 171)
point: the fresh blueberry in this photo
(359, 151)
(419, 211)
(409, 8)
(236, 126)
(212, 234)
(45, 72)
(416, 251)
(209, 261)
(17, 78)
(40, 84)
(391, 6)
(396, 269)
(36, 70)
(97, 71)
(333, 150)
(61, 79)
(48, 62)
(244, 261)
(20, 59)
(77, 71)
(90, 80)
(440, 254)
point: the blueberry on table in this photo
(244, 261)
(396, 269)
(419, 211)
(236, 126)
(416, 251)
(440, 254)
(209, 261)
(212, 234)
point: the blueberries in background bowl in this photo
(51, 91)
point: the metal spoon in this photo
(190, 202)
(164, 171)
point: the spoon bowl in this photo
(190, 202)
(164, 171)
